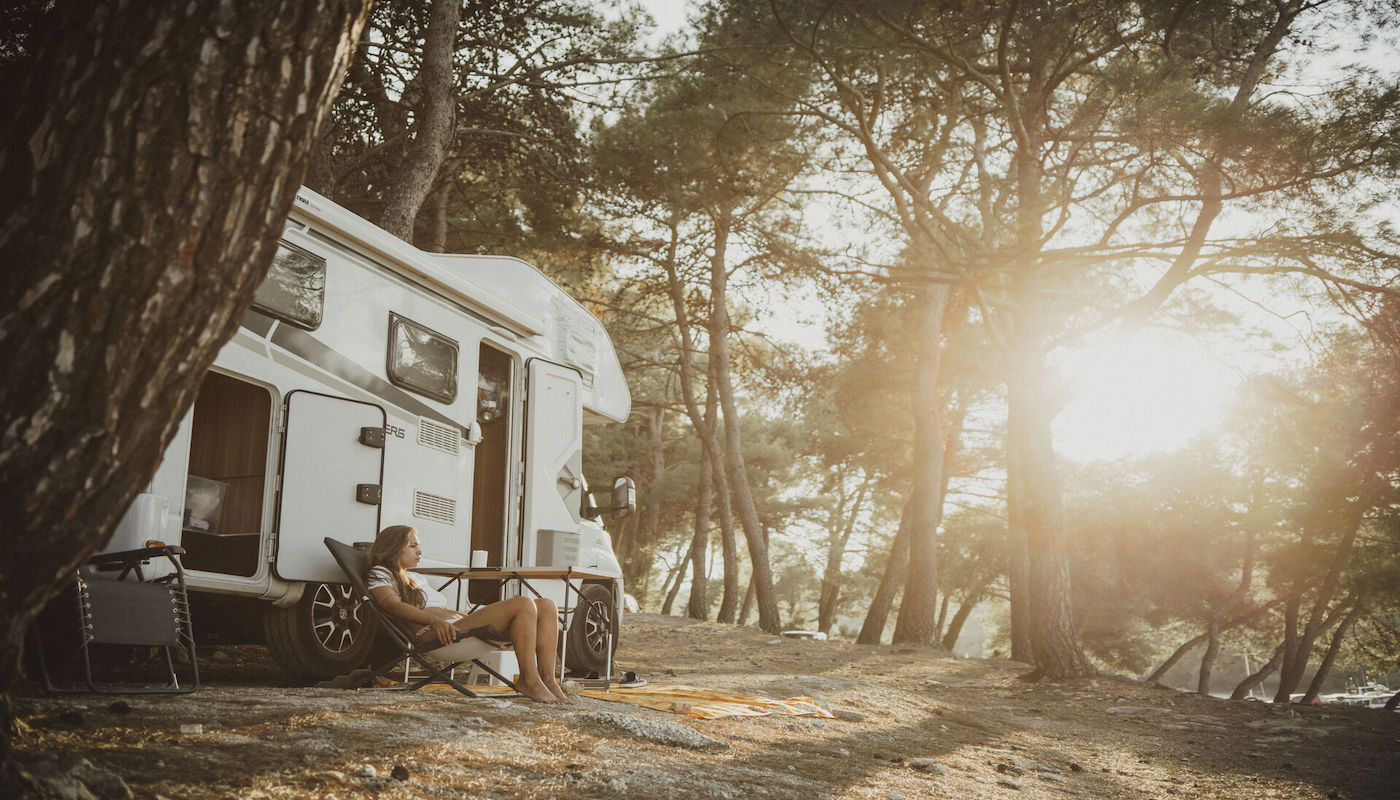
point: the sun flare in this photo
(1148, 393)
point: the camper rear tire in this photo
(594, 625)
(325, 634)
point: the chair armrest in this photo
(132, 556)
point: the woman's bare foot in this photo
(537, 691)
(558, 691)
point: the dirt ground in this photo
(910, 724)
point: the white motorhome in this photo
(375, 384)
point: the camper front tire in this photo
(324, 634)
(592, 629)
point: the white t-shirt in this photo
(380, 576)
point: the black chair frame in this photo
(130, 610)
(355, 563)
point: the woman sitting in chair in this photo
(531, 625)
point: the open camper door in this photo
(332, 473)
(553, 455)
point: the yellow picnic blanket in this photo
(693, 701)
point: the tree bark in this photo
(915, 622)
(1208, 657)
(149, 165)
(1290, 647)
(841, 524)
(706, 426)
(1187, 646)
(434, 123)
(672, 586)
(698, 606)
(1035, 505)
(944, 602)
(1325, 667)
(873, 629)
(729, 550)
(1046, 607)
(628, 553)
(960, 617)
(1300, 645)
(747, 604)
(742, 496)
(1247, 685)
(1034, 497)
(434, 236)
(636, 550)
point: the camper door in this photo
(332, 471)
(553, 464)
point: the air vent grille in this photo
(438, 436)
(434, 507)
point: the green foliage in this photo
(518, 163)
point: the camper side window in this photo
(295, 288)
(422, 361)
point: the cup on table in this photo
(478, 559)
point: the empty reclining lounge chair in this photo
(129, 609)
(435, 659)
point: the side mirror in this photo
(624, 497)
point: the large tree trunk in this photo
(1040, 576)
(915, 623)
(434, 123)
(741, 495)
(1035, 506)
(150, 155)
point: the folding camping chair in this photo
(469, 647)
(130, 610)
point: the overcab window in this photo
(295, 288)
(421, 360)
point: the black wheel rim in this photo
(596, 626)
(335, 617)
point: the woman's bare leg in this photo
(547, 646)
(517, 617)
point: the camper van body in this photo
(374, 384)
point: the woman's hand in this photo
(446, 633)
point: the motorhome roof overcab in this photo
(375, 384)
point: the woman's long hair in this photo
(388, 545)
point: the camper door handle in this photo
(368, 493)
